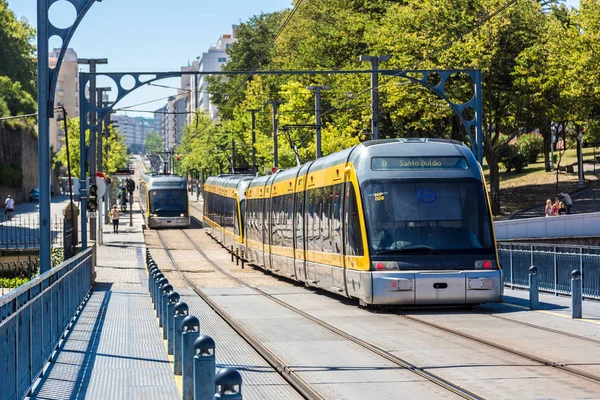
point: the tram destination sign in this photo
(418, 163)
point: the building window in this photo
(228, 46)
(222, 59)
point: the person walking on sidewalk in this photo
(9, 203)
(568, 200)
(114, 213)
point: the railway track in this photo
(302, 387)
(530, 356)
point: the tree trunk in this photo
(547, 135)
(494, 182)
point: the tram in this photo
(387, 222)
(164, 201)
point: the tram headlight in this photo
(182, 215)
(485, 264)
(384, 266)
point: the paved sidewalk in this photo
(115, 350)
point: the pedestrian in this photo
(561, 208)
(9, 205)
(548, 209)
(568, 200)
(555, 207)
(114, 213)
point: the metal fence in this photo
(554, 263)
(23, 232)
(33, 319)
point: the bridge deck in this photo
(115, 350)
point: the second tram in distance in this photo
(164, 201)
(394, 222)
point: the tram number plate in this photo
(92, 214)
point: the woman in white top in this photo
(548, 209)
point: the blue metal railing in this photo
(554, 263)
(33, 319)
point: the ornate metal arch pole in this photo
(470, 113)
(46, 90)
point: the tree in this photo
(17, 52)
(17, 100)
(153, 143)
(114, 153)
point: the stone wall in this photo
(19, 148)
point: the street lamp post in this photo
(375, 60)
(101, 208)
(92, 62)
(317, 90)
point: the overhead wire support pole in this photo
(254, 167)
(275, 104)
(375, 91)
(45, 108)
(317, 90)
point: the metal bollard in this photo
(534, 289)
(576, 294)
(151, 274)
(228, 384)
(237, 256)
(231, 253)
(166, 291)
(181, 311)
(159, 284)
(172, 299)
(242, 258)
(158, 276)
(190, 332)
(204, 368)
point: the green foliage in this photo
(530, 145)
(114, 155)
(57, 256)
(153, 143)
(11, 283)
(11, 175)
(17, 100)
(17, 52)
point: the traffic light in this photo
(130, 185)
(92, 204)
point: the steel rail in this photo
(530, 325)
(562, 366)
(462, 392)
(302, 387)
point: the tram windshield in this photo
(168, 201)
(427, 217)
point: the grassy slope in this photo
(532, 186)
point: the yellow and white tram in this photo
(164, 201)
(396, 222)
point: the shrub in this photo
(57, 256)
(530, 145)
(517, 162)
(11, 175)
(511, 155)
(11, 283)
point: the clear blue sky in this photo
(152, 35)
(149, 35)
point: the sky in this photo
(148, 35)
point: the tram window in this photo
(441, 215)
(288, 233)
(326, 219)
(336, 221)
(169, 201)
(354, 244)
(310, 220)
(299, 221)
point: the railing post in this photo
(512, 274)
(181, 311)
(534, 294)
(242, 258)
(555, 273)
(204, 368)
(190, 332)
(228, 384)
(159, 305)
(581, 269)
(576, 300)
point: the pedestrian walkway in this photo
(115, 349)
